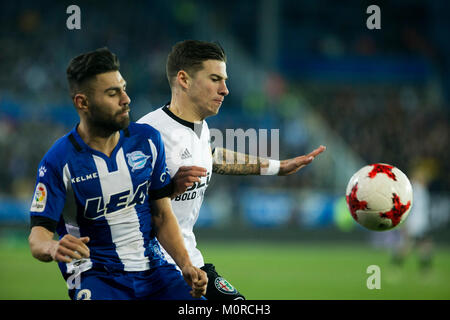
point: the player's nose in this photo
(125, 99)
(223, 89)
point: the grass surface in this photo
(284, 271)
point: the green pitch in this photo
(286, 271)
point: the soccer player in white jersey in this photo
(196, 71)
(116, 172)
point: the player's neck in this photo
(185, 110)
(98, 139)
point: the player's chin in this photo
(123, 121)
(120, 125)
(214, 110)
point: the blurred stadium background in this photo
(309, 68)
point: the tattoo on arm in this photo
(229, 162)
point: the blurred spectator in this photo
(416, 232)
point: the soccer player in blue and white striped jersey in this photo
(116, 173)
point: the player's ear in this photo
(80, 101)
(183, 79)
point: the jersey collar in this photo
(197, 128)
(79, 144)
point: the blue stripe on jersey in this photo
(111, 196)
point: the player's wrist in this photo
(52, 249)
(185, 265)
(272, 168)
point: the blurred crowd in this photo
(396, 123)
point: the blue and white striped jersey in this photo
(111, 196)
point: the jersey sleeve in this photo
(160, 183)
(49, 197)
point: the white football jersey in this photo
(186, 144)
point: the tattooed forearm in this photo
(236, 169)
(229, 162)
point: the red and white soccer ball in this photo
(379, 196)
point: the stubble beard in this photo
(107, 124)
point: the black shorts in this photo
(218, 287)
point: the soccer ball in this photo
(379, 197)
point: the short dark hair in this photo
(189, 55)
(87, 65)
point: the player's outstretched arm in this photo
(228, 162)
(169, 235)
(45, 249)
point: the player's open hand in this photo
(70, 247)
(291, 166)
(185, 177)
(197, 279)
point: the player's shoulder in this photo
(61, 149)
(59, 154)
(143, 130)
(153, 117)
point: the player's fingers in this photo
(188, 179)
(192, 170)
(68, 253)
(81, 242)
(197, 293)
(200, 291)
(71, 253)
(62, 258)
(192, 179)
(76, 246)
(194, 276)
(85, 239)
(68, 237)
(188, 168)
(200, 283)
(202, 277)
(186, 175)
(192, 173)
(197, 174)
(317, 151)
(301, 161)
(85, 253)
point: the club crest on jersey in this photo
(224, 286)
(39, 198)
(137, 160)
